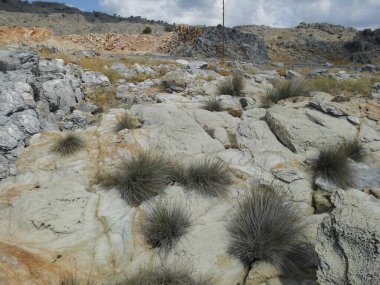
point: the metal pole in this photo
(223, 35)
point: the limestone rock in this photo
(173, 130)
(14, 97)
(95, 79)
(348, 240)
(304, 130)
(10, 60)
(59, 94)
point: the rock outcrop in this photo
(348, 241)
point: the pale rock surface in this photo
(305, 130)
(348, 240)
(173, 130)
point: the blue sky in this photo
(276, 13)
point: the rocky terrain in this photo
(58, 218)
(128, 158)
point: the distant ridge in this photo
(41, 7)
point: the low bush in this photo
(68, 144)
(213, 105)
(267, 228)
(208, 177)
(232, 86)
(126, 121)
(164, 225)
(333, 165)
(285, 89)
(166, 276)
(147, 30)
(140, 178)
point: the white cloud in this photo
(278, 13)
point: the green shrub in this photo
(140, 178)
(172, 275)
(267, 228)
(285, 89)
(213, 105)
(232, 86)
(333, 165)
(164, 225)
(147, 30)
(208, 177)
(68, 144)
(126, 121)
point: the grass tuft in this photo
(232, 86)
(213, 105)
(354, 150)
(126, 121)
(140, 178)
(166, 276)
(267, 228)
(333, 165)
(285, 89)
(208, 177)
(164, 225)
(68, 144)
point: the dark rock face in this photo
(238, 45)
(365, 46)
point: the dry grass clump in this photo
(233, 140)
(173, 275)
(207, 177)
(104, 97)
(333, 165)
(164, 224)
(68, 144)
(285, 89)
(126, 121)
(232, 86)
(267, 228)
(331, 85)
(140, 178)
(213, 104)
(137, 78)
(354, 150)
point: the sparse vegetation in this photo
(208, 177)
(354, 150)
(235, 113)
(213, 104)
(68, 144)
(164, 225)
(169, 29)
(233, 140)
(140, 178)
(267, 228)
(285, 89)
(147, 30)
(69, 280)
(173, 275)
(232, 86)
(126, 121)
(103, 97)
(331, 85)
(333, 165)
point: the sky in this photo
(276, 13)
